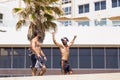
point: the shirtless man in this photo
(64, 49)
(38, 58)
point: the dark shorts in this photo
(33, 60)
(37, 62)
(66, 66)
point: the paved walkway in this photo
(105, 76)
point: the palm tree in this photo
(40, 14)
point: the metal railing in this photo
(88, 23)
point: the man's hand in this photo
(75, 36)
(45, 58)
(38, 56)
(53, 33)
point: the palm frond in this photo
(49, 25)
(48, 10)
(32, 18)
(49, 17)
(27, 1)
(41, 3)
(20, 23)
(17, 10)
(21, 11)
(29, 9)
(57, 10)
(52, 1)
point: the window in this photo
(115, 23)
(73, 57)
(98, 57)
(83, 8)
(111, 58)
(85, 57)
(67, 10)
(1, 18)
(18, 58)
(56, 58)
(67, 23)
(47, 52)
(119, 59)
(5, 57)
(97, 6)
(115, 3)
(103, 5)
(66, 1)
(100, 5)
(28, 58)
(102, 22)
(83, 23)
(86, 8)
(118, 2)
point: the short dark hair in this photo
(62, 39)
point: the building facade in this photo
(96, 48)
(91, 12)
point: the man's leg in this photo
(34, 71)
(70, 72)
(33, 60)
(63, 67)
(69, 69)
(43, 70)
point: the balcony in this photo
(89, 23)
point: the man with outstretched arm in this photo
(64, 49)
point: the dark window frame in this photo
(101, 5)
(67, 10)
(1, 18)
(83, 8)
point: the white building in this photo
(92, 10)
(97, 46)
(94, 16)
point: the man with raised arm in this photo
(64, 49)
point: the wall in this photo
(85, 35)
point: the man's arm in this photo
(54, 40)
(71, 43)
(45, 58)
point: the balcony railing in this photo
(88, 23)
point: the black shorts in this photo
(33, 60)
(66, 67)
